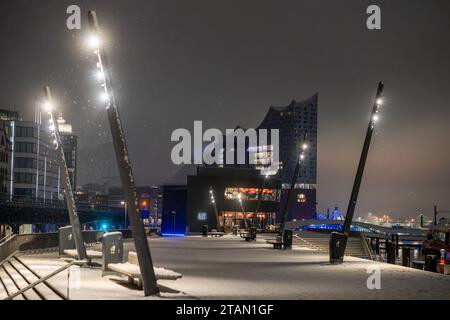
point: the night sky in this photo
(225, 62)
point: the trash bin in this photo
(205, 230)
(287, 239)
(112, 250)
(66, 241)
(431, 263)
(252, 233)
(338, 242)
(390, 252)
(406, 256)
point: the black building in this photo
(228, 185)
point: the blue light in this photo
(104, 226)
(172, 234)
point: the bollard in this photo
(338, 242)
(390, 252)
(406, 256)
(431, 263)
(377, 245)
(252, 233)
(205, 230)
(287, 239)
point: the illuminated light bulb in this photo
(48, 106)
(375, 118)
(304, 146)
(94, 41)
(100, 75)
(55, 142)
(302, 156)
(52, 127)
(379, 101)
(104, 97)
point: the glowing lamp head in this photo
(379, 101)
(305, 146)
(104, 97)
(100, 75)
(94, 41)
(375, 118)
(48, 106)
(302, 156)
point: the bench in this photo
(277, 243)
(216, 234)
(91, 254)
(418, 264)
(132, 271)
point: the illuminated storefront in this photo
(235, 192)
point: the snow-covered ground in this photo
(230, 268)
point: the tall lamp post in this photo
(213, 202)
(68, 192)
(300, 159)
(338, 241)
(258, 203)
(123, 162)
(125, 214)
(243, 210)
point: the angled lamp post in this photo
(123, 162)
(338, 241)
(243, 210)
(213, 202)
(68, 192)
(258, 203)
(300, 159)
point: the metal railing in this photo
(16, 263)
(367, 249)
(4, 239)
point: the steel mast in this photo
(338, 241)
(68, 192)
(124, 164)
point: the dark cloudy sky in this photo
(225, 61)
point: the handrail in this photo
(6, 238)
(367, 249)
(9, 257)
(13, 281)
(43, 279)
(40, 295)
(56, 291)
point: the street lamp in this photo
(125, 214)
(213, 202)
(68, 192)
(123, 160)
(300, 159)
(338, 242)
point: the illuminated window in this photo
(251, 194)
(201, 216)
(301, 198)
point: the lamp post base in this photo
(338, 242)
